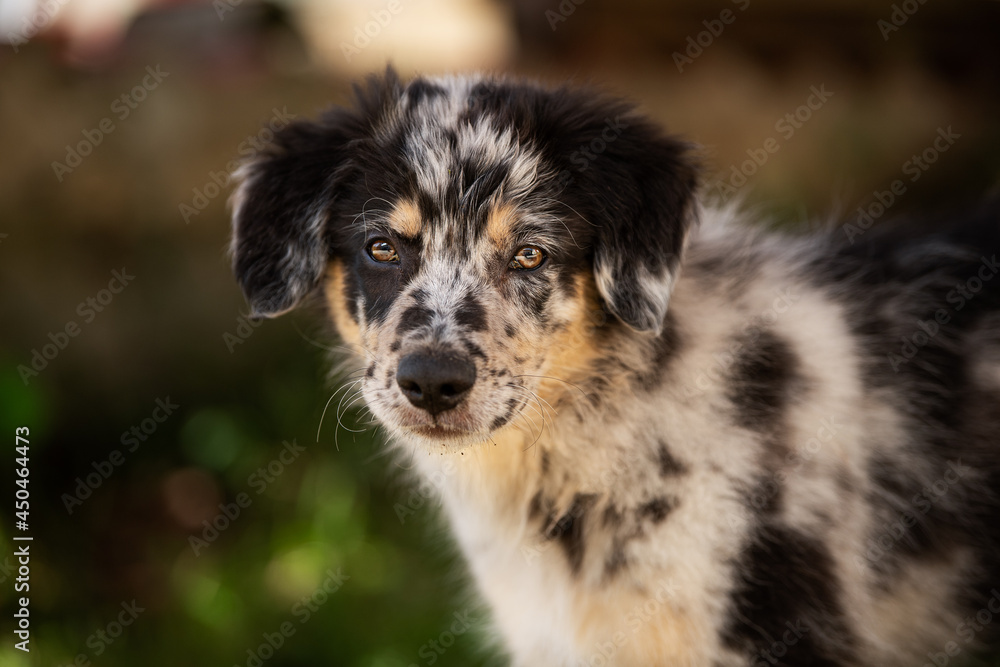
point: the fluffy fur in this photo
(687, 442)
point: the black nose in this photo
(435, 382)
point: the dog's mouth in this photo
(452, 429)
(440, 432)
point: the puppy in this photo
(664, 438)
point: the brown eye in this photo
(528, 257)
(382, 251)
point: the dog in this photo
(663, 436)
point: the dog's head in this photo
(466, 231)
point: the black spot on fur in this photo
(419, 90)
(664, 348)
(611, 516)
(505, 417)
(657, 509)
(766, 496)
(510, 330)
(471, 314)
(371, 371)
(428, 206)
(910, 522)
(538, 506)
(787, 593)
(624, 527)
(419, 296)
(414, 317)
(616, 561)
(396, 344)
(669, 466)
(569, 528)
(477, 188)
(533, 294)
(761, 379)
(473, 349)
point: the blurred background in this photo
(183, 508)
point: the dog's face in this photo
(468, 233)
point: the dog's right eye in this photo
(382, 251)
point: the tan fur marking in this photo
(645, 629)
(342, 320)
(499, 224)
(405, 218)
(574, 348)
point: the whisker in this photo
(340, 414)
(340, 421)
(346, 388)
(562, 203)
(552, 377)
(540, 411)
(331, 348)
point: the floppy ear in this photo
(638, 186)
(648, 206)
(281, 209)
(279, 218)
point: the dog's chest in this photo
(566, 566)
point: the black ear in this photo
(649, 208)
(279, 218)
(281, 209)
(637, 187)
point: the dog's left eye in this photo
(527, 258)
(382, 251)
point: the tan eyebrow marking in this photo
(405, 218)
(499, 224)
